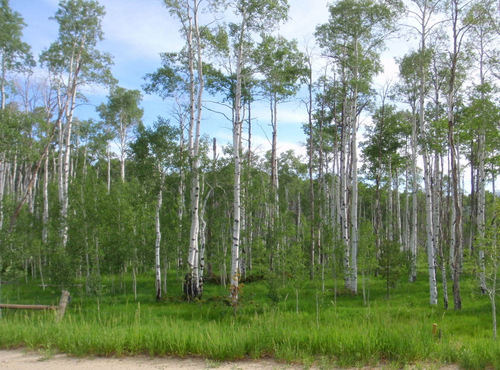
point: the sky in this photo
(137, 31)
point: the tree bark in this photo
(237, 128)
(192, 284)
(158, 241)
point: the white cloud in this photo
(304, 17)
(140, 29)
(261, 145)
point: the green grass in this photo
(396, 331)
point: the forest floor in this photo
(311, 330)
(21, 359)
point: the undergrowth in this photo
(339, 331)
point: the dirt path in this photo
(21, 360)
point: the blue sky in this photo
(137, 31)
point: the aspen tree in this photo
(484, 37)
(73, 61)
(353, 39)
(459, 28)
(423, 14)
(252, 16)
(166, 80)
(156, 149)
(122, 113)
(15, 56)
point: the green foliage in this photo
(353, 36)
(155, 149)
(261, 15)
(384, 140)
(15, 53)
(171, 77)
(392, 263)
(61, 269)
(122, 110)
(367, 255)
(75, 52)
(275, 288)
(281, 64)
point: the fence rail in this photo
(60, 309)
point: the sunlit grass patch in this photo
(340, 331)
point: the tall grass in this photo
(398, 331)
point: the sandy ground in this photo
(21, 360)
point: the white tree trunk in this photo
(158, 241)
(431, 254)
(354, 209)
(481, 206)
(390, 226)
(109, 170)
(3, 175)
(414, 202)
(192, 284)
(203, 229)
(123, 136)
(2, 82)
(398, 212)
(237, 128)
(235, 249)
(354, 184)
(344, 200)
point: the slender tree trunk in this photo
(249, 213)
(456, 222)
(65, 147)
(354, 184)
(431, 254)
(398, 212)
(237, 126)
(192, 285)
(109, 170)
(414, 202)
(180, 204)
(406, 218)
(158, 241)
(31, 182)
(457, 246)
(493, 306)
(481, 192)
(377, 208)
(123, 136)
(344, 196)
(3, 176)
(354, 210)
(2, 82)
(311, 179)
(203, 239)
(45, 214)
(390, 205)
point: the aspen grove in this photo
(396, 182)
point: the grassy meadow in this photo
(305, 325)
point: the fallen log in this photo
(61, 309)
(28, 306)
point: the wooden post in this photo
(60, 310)
(434, 330)
(62, 305)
